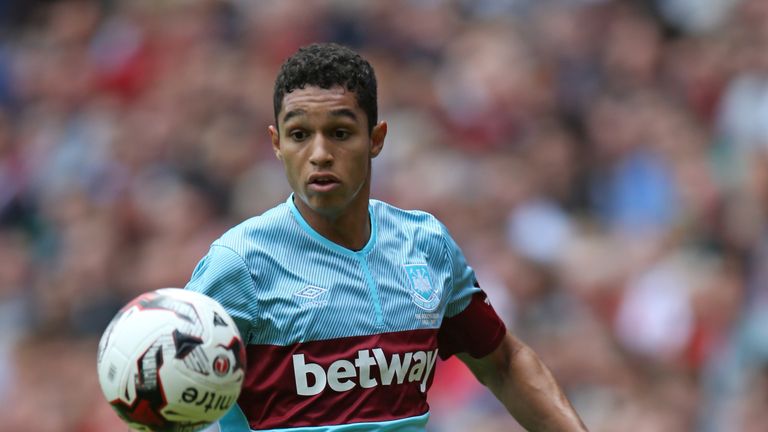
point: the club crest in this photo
(423, 293)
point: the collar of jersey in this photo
(329, 244)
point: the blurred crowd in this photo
(603, 163)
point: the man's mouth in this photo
(322, 179)
(323, 182)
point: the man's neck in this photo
(350, 229)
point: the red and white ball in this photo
(171, 360)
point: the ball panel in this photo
(195, 399)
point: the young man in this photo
(345, 302)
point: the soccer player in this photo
(345, 302)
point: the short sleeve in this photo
(464, 283)
(470, 323)
(223, 275)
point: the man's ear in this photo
(378, 134)
(274, 135)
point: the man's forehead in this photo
(311, 99)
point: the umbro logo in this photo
(310, 295)
(310, 292)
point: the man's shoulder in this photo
(272, 224)
(389, 216)
(389, 210)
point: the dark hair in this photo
(326, 65)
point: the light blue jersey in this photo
(342, 340)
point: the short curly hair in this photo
(326, 65)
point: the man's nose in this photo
(321, 152)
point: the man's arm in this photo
(526, 387)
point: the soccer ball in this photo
(171, 360)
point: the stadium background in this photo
(604, 164)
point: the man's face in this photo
(324, 143)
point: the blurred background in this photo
(603, 163)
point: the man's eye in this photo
(340, 134)
(298, 135)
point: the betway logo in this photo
(344, 375)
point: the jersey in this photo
(342, 340)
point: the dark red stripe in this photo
(476, 330)
(270, 399)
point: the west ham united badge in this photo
(423, 292)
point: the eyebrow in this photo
(344, 112)
(341, 112)
(293, 113)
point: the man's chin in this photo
(324, 205)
